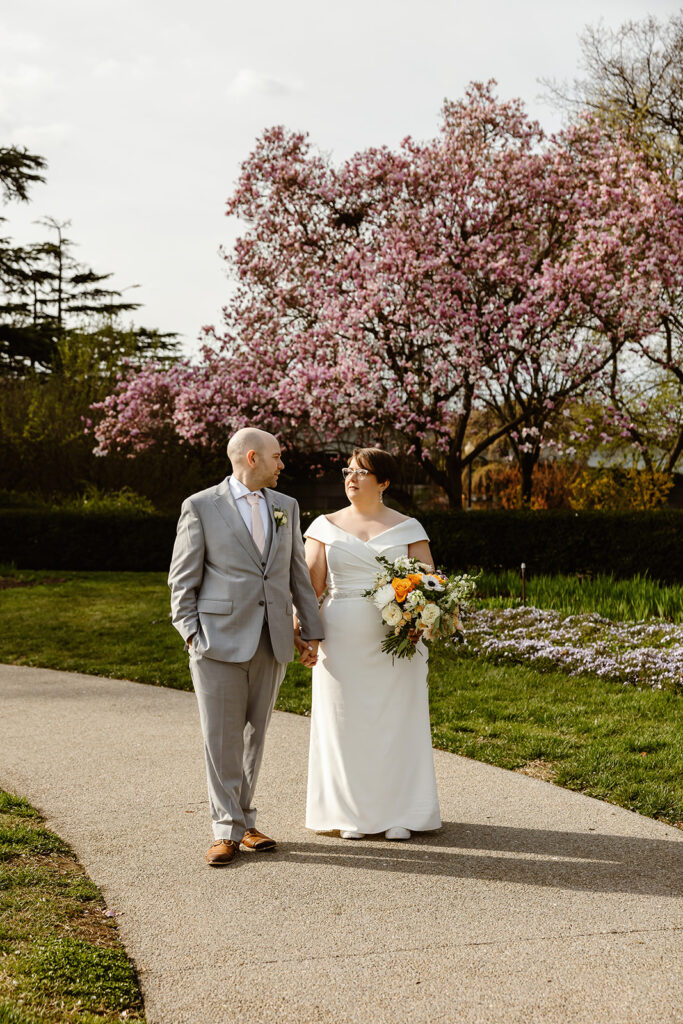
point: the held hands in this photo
(307, 649)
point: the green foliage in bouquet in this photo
(417, 603)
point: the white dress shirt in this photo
(239, 492)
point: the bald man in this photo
(238, 565)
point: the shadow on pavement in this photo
(590, 861)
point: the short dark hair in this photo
(380, 463)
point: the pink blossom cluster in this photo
(140, 412)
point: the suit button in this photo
(265, 577)
(262, 602)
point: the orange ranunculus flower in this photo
(402, 588)
(414, 577)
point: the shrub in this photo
(620, 488)
(93, 499)
(551, 541)
(57, 539)
(561, 541)
(497, 484)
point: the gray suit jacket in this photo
(222, 588)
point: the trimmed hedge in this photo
(37, 539)
(561, 541)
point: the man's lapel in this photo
(227, 506)
(274, 532)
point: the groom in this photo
(238, 560)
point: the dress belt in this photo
(344, 594)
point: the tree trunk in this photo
(454, 468)
(527, 464)
(455, 491)
(675, 453)
(449, 478)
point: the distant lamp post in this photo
(524, 584)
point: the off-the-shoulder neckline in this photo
(341, 529)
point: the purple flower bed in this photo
(644, 654)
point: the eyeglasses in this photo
(362, 473)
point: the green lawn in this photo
(61, 961)
(614, 742)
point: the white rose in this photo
(430, 614)
(384, 595)
(392, 614)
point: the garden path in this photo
(532, 904)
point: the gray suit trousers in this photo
(230, 694)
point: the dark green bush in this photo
(561, 541)
(120, 541)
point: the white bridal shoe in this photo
(397, 833)
(353, 835)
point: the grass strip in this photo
(60, 957)
(622, 600)
(614, 742)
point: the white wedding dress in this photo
(371, 765)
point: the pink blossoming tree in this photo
(392, 296)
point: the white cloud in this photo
(138, 68)
(252, 83)
(21, 87)
(34, 136)
(106, 68)
(20, 42)
(26, 78)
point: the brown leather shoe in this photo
(221, 852)
(256, 841)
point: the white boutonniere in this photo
(280, 516)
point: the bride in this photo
(371, 767)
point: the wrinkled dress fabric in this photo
(371, 765)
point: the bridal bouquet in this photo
(417, 603)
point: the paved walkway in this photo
(532, 904)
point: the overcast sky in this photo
(144, 109)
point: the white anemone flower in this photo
(432, 583)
